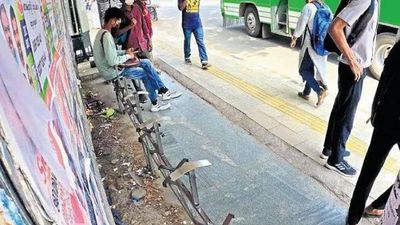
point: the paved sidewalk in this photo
(272, 114)
(246, 178)
(260, 87)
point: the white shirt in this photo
(364, 47)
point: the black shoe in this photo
(322, 85)
(188, 61)
(327, 152)
(142, 99)
(342, 168)
(303, 96)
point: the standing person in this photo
(308, 57)
(141, 34)
(127, 24)
(191, 23)
(107, 57)
(386, 121)
(353, 65)
(148, 19)
(123, 34)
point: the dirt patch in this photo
(136, 197)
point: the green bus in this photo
(264, 18)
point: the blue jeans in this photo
(199, 36)
(307, 72)
(146, 72)
(343, 112)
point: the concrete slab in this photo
(267, 71)
(264, 120)
(246, 178)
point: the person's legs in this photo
(307, 89)
(344, 111)
(199, 36)
(140, 73)
(323, 85)
(148, 67)
(380, 202)
(138, 87)
(326, 152)
(305, 94)
(156, 81)
(379, 148)
(306, 70)
(186, 44)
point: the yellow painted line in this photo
(357, 146)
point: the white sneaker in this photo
(160, 106)
(170, 95)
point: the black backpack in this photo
(357, 29)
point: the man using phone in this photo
(353, 65)
(107, 57)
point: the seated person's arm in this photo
(121, 52)
(113, 56)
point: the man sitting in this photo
(107, 57)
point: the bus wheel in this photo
(252, 21)
(384, 43)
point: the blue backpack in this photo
(322, 21)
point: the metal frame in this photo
(182, 178)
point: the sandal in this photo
(370, 212)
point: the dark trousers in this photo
(343, 112)
(381, 144)
(306, 70)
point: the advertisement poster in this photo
(39, 45)
(47, 137)
(9, 213)
(14, 31)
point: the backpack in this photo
(322, 21)
(101, 39)
(357, 28)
